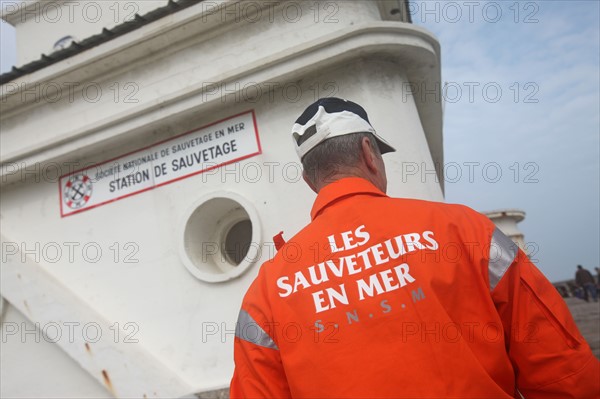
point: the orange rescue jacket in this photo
(385, 297)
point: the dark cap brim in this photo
(384, 147)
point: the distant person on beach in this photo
(585, 280)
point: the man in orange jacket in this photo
(387, 297)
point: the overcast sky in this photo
(543, 57)
(522, 100)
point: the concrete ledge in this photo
(412, 48)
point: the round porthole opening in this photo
(221, 238)
(237, 242)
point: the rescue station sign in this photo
(209, 147)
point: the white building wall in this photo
(187, 73)
(41, 23)
(33, 366)
(195, 65)
(157, 293)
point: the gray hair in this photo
(335, 155)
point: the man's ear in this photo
(309, 182)
(368, 155)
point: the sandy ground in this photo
(587, 317)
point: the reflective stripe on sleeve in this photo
(502, 254)
(249, 330)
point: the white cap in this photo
(332, 117)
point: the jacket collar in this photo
(342, 188)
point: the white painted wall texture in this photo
(40, 24)
(121, 265)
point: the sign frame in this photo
(175, 179)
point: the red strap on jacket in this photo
(278, 240)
